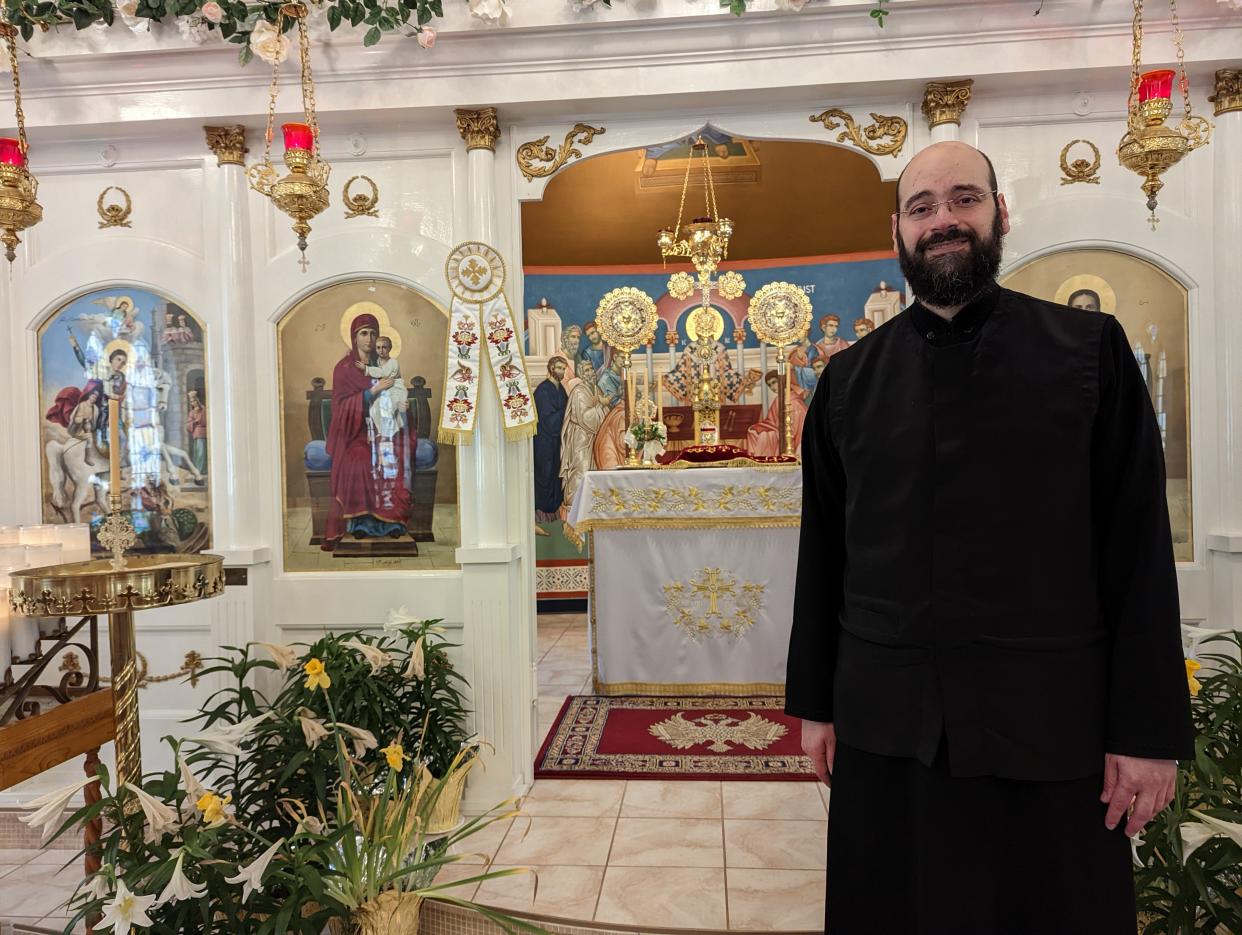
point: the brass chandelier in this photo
(1150, 147)
(19, 190)
(303, 192)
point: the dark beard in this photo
(953, 279)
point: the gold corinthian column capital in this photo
(946, 101)
(1227, 94)
(228, 143)
(478, 128)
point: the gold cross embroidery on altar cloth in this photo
(713, 604)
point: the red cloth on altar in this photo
(363, 481)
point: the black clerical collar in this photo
(963, 326)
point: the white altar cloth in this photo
(692, 576)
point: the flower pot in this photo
(446, 813)
(390, 913)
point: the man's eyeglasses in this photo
(958, 204)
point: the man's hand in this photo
(819, 742)
(1141, 785)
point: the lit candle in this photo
(11, 152)
(114, 449)
(659, 391)
(298, 136)
(1157, 83)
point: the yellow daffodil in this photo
(395, 754)
(316, 676)
(212, 807)
(1191, 668)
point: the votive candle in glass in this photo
(298, 136)
(11, 152)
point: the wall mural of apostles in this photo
(365, 484)
(147, 352)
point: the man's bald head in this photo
(951, 157)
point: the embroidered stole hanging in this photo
(480, 317)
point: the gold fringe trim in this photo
(572, 535)
(447, 436)
(688, 522)
(689, 689)
(516, 433)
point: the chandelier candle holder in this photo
(1149, 146)
(19, 190)
(303, 192)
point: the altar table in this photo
(692, 578)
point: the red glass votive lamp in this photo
(1155, 84)
(11, 152)
(298, 136)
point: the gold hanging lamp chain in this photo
(1178, 43)
(1136, 65)
(308, 84)
(271, 97)
(10, 39)
(685, 186)
(711, 186)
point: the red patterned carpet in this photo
(644, 737)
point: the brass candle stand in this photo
(97, 587)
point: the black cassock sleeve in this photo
(1149, 703)
(819, 589)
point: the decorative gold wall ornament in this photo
(360, 205)
(537, 151)
(945, 101)
(19, 189)
(303, 193)
(228, 143)
(893, 129)
(114, 215)
(478, 128)
(680, 286)
(718, 731)
(713, 604)
(1080, 170)
(1227, 95)
(1149, 147)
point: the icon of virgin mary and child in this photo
(369, 438)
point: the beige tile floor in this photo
(707, 855)
(658, 854)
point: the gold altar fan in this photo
(780, 314)
(626, 318)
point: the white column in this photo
(497, 659)
(243, 613)
(1224, 539)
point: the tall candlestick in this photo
(114, 451)
(660, 399)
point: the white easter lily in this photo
(251, 877)
(100, 884)
(416, 669)
(180, 887)
(312, 727)
(225, 739)
(285, 657)
(193, 788)
(126, 909)
(1135, 843)
(49, 808)
(1195, 834)
(399, 617)
(159, 817)
(363, 739)
(373, 654)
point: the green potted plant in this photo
(1188, 873)
(219, 844)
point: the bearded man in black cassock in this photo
(985, 649)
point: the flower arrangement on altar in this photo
(288, 815)
(1188, 862)
(648, 437)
